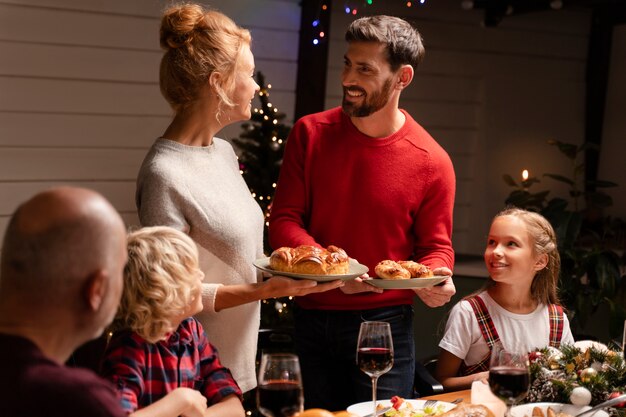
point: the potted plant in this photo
(591, 244)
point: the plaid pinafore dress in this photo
(490, 334)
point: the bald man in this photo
(63, 257)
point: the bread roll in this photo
(537, 412)
(416, 269)
(344, 413)
(391, 270)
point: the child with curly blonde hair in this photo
(159, 357)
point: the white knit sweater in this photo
(200, 191)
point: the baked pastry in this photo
(310, 260)
(281, 259)
(391, 270)
(469, 410)
(416, 269)
(337, 261)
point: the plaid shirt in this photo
(490, 334)
(145, 372)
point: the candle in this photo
(524, 175)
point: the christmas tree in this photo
(261, 146)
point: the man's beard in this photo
(377, 101)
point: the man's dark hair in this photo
(403, 42)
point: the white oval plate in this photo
(365, 408)
(526, 410)
(355, 270)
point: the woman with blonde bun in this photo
(190, 179)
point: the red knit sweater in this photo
(377, 198)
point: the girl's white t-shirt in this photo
(525, 332)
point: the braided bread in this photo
(310, 260)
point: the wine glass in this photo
(279, 393)
(374, 352)
(624, 342)
(509, 376)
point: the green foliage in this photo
(590, 243)
(556, 372)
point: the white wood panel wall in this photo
(79, 95)
(490, 96)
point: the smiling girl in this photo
(518, 306)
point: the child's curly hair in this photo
(160, 281)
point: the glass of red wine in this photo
(374, 352)
(279, 393)
(624, 342)
(509, 377)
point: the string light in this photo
(318, 23)
(348, 9)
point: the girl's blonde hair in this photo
(544, 287)
(197, 42)
(160, 281)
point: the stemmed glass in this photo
(279, 393)
(509, 376)
(374, 353)
(624, 341)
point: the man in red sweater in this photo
(367, 178)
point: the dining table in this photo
(466, 395)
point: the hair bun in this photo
(179, 23)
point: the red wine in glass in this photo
(374, 352)
(279, 393)
(279, 398)
(509, 377)
(509, 384)
(375, 361)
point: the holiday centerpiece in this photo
(578, 376)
